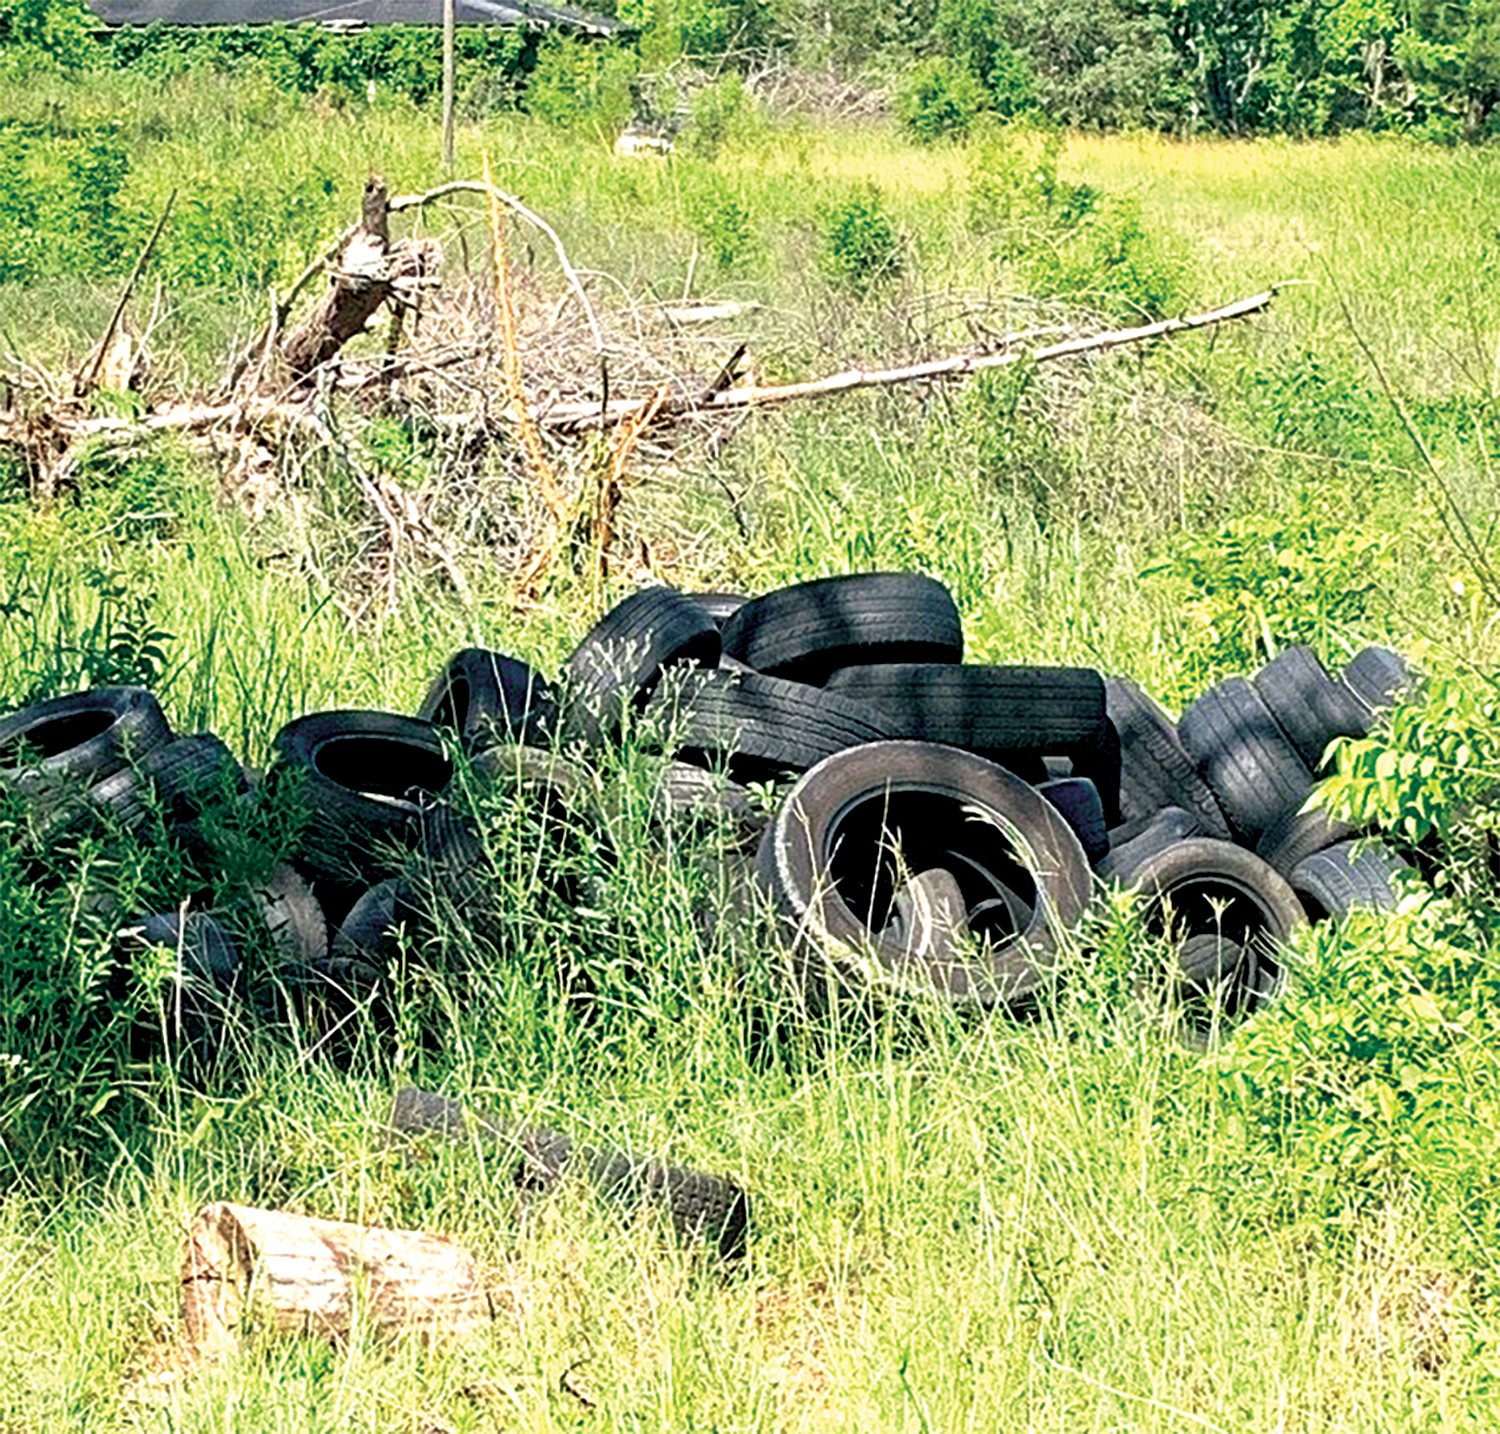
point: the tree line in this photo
(1236, 67)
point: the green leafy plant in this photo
(939, 100)
(1380, 1074)
(574, 84)
(719, 113)
(721, 217)
(61, 31)
(1261, 583)
(859, 243)
(1111, 261)
(100, 227)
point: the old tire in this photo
(487, 698)
(1249, 763)
(807, 631)
(363, 780)
(1156, 771)
(831, 863)
(619, 664)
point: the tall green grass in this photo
(998, 1223)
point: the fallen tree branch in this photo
(578, 417)
(86, 381)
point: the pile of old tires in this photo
(941, 827)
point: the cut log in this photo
(296, 1275)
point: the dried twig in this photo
(468, 186)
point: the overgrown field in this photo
(1056, 1222)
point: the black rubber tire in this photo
(207, 954)
(1102, 766)
(200, 998)
(1201, 886)
(720, 606)
(701, 1207)
(48, 749)
(1132, 843)
(1309, 705)
(1249, 763)
(1298, 834)
(1156, 771)
(1206, 961)
(693, 797)
(929, 914)
(487, 698)
(458, 856)
(177, 779)
(808, 631)
(990, 710)
(292, 916)
(372, 930)
(1077, 798)
(759, 728)
(620, 663)
(1377, 676)
(364, 780)
(830, 862)
(1351, 875)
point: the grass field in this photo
(1062, 1222)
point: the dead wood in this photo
(296, 1275)
(579, 417)
(362, 282)
(102, 354)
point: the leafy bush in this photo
(1258, 584)
(491, 62)
(1113, 263)
(938, 100)
(1015, 193)
(20, 205)
(577, 85)
(720, 112)
(860, 245)
(721, 218)
(97, 228)
(61, 31)
(1380, 1075)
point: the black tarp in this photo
(344, 12)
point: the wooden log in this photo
(296, 1275)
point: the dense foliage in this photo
(1304, 67)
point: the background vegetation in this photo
(1301, 67)
(1055, 1222)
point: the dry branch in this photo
(577, 417)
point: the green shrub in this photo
(20, 206)
(99, 231)
(1014, 191)
(580, 85)
(721, 217)
(859, 243)
(720, 112)
(61, 31)
(938, 100)
(1376, 1077)
(1111, 262)
(1258, 584)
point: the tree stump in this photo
(296, 1275)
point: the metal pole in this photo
(448, 26)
